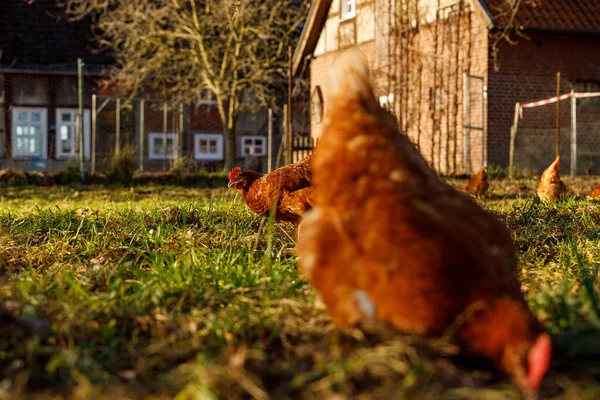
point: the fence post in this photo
(180, 135)
(141, 134)
(270, 140)
(573, 133)
(80, 116)
(118, 127)
(513, 135)
(466, 122)
(94, 100)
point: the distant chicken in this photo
(387, 240)
(288, 187)
(551, 188)
(594, 194)
(478, 184)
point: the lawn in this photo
(169, 292)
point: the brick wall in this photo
(437, 131)
(527, 72)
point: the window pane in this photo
(25, 130)
(22, 116)
(258, 142)
(66, 136)
(19, 130)
(257, 150)
(66, 117)
(32, 146)
(35, 131)
(213, 142)
(64, 132)
(36, 117)
(213, 149)
(202, 142)
(20, 144)
(248, 142)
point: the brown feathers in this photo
(287, 188)
(387, 240)
(478, 184)
(551, 187)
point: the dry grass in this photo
(170, 292)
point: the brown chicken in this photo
(551, 188)
(478, 184)
(594, 194)
(387, 240)
(288, 188)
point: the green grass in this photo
(168, 292)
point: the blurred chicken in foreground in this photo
(478, 184)
(551, 187)
(287, 188)
(387, 240)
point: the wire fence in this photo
(534, 134)
(40, 135)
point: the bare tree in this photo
(235, 49)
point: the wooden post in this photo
(142, 105)
(557, 114)
(573, 133)
(290, 114)
(79, 126)
(513, 136)
(94, 100)
(466, 123)
(270, 140)
(165, 127)
(118, 127)
(180, 136)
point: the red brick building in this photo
(39, 49)
(451, 76)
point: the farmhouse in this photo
(39, 48)
(451, 71)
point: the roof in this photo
(36, 37)
(317, 15)
(568, 16)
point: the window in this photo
(254, 146)
(29, 127)
(206, 97)
(316, 105)
(66, 134)
(387, 101)
(161, 146)
(348, 9)
(208, 146)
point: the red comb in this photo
(234, 172)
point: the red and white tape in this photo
(555, 99)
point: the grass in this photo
(168, 292)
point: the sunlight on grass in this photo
(163, 292)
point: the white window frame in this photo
(43, 124)
(208, 156)
(344, 6)
(206, 97)
(60, 154)
(152, 155)
(253, 146)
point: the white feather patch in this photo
(364, 303)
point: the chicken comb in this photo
(234, 173)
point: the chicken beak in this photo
(230, 184)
